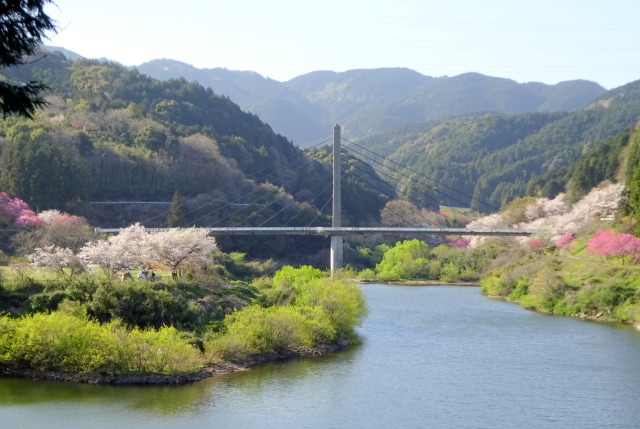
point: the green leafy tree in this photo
(151, 138)
(406, 260)
(23, 27)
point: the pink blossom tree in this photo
(461, 242)
(16, 211)
(564, 240)
(607, 244)
(537, 245)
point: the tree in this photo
(23, 26)
(57, 258)
(16, 211)
(176, 214)
(606, 243)
(406, 260)
(564, 240)
(119, 252)
(63, 230)
(176, 246)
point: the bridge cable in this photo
(409, 222)
(410, 179)
(471, 198)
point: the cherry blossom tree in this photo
(176, 246)
(557, 216)
(49, 215)
(123, 251)
(57, 258)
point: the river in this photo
(431, 357)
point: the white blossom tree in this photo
(176, 246)
(124, 251)
(556, 216)
(56, 258)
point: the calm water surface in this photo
(431, 357)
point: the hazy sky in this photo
(543, 40)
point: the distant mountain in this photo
(367, 102)
(288, 113)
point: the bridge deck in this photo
(345, 231)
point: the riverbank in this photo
(169, 379)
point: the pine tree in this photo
(175, 218)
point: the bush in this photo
(602, 298)
(520, 289)
(342, 301)
(367, 274)
(256, 330)
(61, 342)
(319, 310)
(494, 285)
(64, 342)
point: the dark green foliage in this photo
(42, 174)
(23, 27)
(632, 176)
(454, 154)
(176, 217)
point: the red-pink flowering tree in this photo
(537, 245)
(607, 244)
(565, 240)
(17, 212)
(461, 242)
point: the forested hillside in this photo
(114, 134)
(490, 159)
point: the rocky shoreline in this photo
(167, 379)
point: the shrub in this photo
(367, 274)
(61, 342)
(450, 273)
(520, 289)
(65, 342)
(342, 301)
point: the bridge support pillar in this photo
(336, 221)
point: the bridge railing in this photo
(348, 231)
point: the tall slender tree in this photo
(175, 218)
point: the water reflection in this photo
(163, 400)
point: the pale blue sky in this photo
(543, 40)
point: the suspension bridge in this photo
(336, 231)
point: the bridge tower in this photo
(336, 222)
